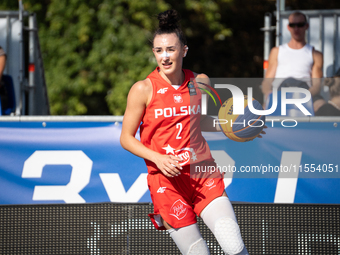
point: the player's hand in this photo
(169, 165)
(262, 132)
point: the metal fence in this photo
(19, 39)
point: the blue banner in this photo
(83, 162)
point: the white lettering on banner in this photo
(80, 175)
(287, 182)
(82, 167)
(116, 191)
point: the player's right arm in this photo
(137, 101)
(2, 63)
(270, 73)
(317, 73)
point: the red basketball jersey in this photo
(171, 123)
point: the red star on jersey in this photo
(169, 149)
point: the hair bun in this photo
(169, 20)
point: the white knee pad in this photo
(228, 235)
(189, 240)
(219, 216)
(199, 248)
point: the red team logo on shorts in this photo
(210, 184)
(178, 98)
(179, 209)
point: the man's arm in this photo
(317, 73)
(2, 65)
(270, 73)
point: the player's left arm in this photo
(317, 73)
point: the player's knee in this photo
(228, 235)
(189, 240)
(199, 248)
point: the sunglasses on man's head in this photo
(299, 24)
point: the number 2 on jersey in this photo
(179, 127)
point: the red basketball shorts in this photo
(179, 199)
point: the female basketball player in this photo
(167, 103)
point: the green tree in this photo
(94, 52)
